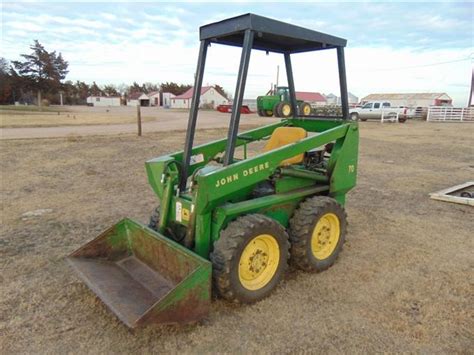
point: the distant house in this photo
(154, 98)
(167, 96)
(336, 100)
(209, 96)
(411, 100)
(313, 98)
(138, 99)
(103, 101)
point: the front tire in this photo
(317, 233)
(250, 258)
(305, 109)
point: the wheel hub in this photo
(325, 236)
(258, 262)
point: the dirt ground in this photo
(86, 121)
(403, 283)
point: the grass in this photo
(20, 118)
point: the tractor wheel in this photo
(284, 109)
(261, 113)
(249, 258)
(275, 110)
(354, 116)
(305, 109)
(268, 113)
(317, 233)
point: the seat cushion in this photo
(283, 136)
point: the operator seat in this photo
(283, 136)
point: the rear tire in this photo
(250, 258)
(354, 116)
(317, 233)
(284, 109)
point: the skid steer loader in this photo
(226, 223)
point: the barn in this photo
(209, 97)
(313, 98)
(411, 100)
(103, 101)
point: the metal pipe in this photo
(188, 145)
(303, 174)
(238, 97)
(343, 82)
(291, 84)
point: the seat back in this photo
(283, 136)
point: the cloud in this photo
(162, 19)
(115, 43)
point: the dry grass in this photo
(402, 284)
(16, 119)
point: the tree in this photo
(95, 90)
(174, 88)
(221, 91)
(6, 87)
(110, 90)
(43, 70)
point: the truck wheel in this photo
(402, 119)
(317, 233)
(249, 258)
(284, 109)
(354, 116)
(305, 109)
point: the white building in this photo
(154, 98)
(103, 101)
(412, 100)
(336, 100)
(167, 96)
(209, 96)
(138, 99)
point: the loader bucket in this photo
(144, 277)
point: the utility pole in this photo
(278, 74)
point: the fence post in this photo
(462, 114)
(428, 115)
(139, 121)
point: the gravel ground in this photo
(403, 282)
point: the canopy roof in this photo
(270, 35)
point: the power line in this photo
(470, 57)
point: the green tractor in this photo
(233, 214)
(277, 103)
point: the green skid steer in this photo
(230, 221)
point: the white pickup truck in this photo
(376, 110)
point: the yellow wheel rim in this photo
(259, 262)
(325, 236)
(269, 113)
(286, 109)
(306, 110)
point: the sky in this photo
(392, 46)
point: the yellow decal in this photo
(351, 168)
(185, 214)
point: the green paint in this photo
(220, 194)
